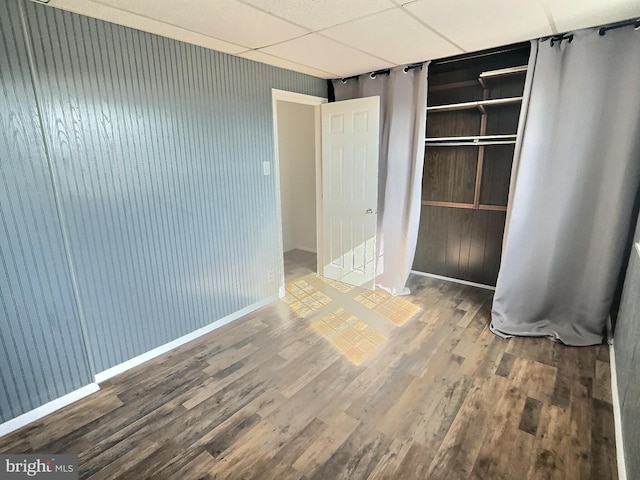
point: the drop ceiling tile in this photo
(326, 54)
(475, 25)
(575, 14)
(319, 14)
(393, 35)
(132, 20)
(282, 63)
(226, 20)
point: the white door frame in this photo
(302, 99)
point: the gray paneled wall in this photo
(627, 348)
(42, 353)
(156, 149)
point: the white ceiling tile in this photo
(226, 20)
(282, 63)
(132, 20)
(319, 14)
(357, 35)
(393, 35)
(475, 25)
(575, 14)
(326, 54)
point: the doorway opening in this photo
(296, 121)
(344, 161)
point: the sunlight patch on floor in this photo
(352, 337)
(395, 309)
(303, 298)
(357, 322)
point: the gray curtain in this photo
(576, 176)
(403, 103)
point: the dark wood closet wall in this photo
(472, 118)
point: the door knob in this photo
(369, 211)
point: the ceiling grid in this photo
(339, 38)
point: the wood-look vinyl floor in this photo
(267, 397)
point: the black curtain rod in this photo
(553, 39)
(627, 23)
(371, 74)
(412, 66)
(385, 71)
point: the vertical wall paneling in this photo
(42, 354)
(460, 243)
(159, 147)
(156, 149)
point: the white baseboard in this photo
(617, 416)
(49, 407)
(455, 280)
(69, 398)
(145, 357)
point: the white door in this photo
(350, 136)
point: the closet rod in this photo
(474, 104)
(469, 143)
(502, 72)
(472, 138)
(471, 56)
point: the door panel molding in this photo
(350, 148)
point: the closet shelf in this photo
(466, 206)
(488, 75)
(503, 72)
(471, 141)
(479, 104)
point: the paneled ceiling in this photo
(339, 38)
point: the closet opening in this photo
(473, 109)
